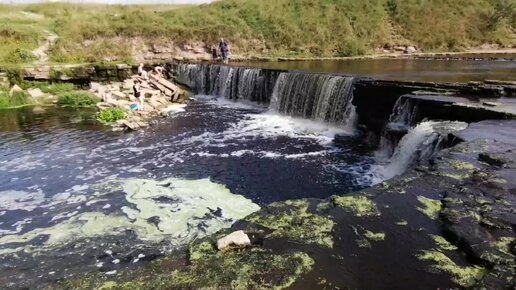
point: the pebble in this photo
(111, 272)
(99, 265)
(141, 256)
(116, 261)
(109, 252)
(106, 206)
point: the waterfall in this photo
(234, 83)
(316, 96)
(421, 143)
(320, 97)
(404, 113)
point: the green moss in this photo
(247, 269)
(374, 236)
(201, 250)
(464, 276)
(431, 207)
(360, 205)
(291, 220)
(503, 244)
(365, 237)
(461, 165)
(443, 244)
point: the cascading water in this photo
(234, 83)
(404, 113)
(320, 97)
(421, 143)
(403, 118)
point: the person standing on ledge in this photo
(224, 50)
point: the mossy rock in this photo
(292, 220)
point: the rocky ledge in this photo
(448, 224)
(161, 98)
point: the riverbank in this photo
(97, 33)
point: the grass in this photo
(96, 33)
(57, 89)
(20, 32)
(17, 99)
(77, 99)
(111, 115)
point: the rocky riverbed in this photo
(446, 225)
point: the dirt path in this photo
(41, 52)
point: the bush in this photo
(111, 115)
(16, 100)
(15, 76)
(77, 99)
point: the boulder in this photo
(238, 238)
(130, 125)
(35, 93)
(95, 87)
(410, 50)
(119, 95)
(15, 89)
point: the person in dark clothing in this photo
(214, 53)
(224, 50)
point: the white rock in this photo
(116, 261)
(410, 49)
(111, 272)
(95, 87)
(238, 238)
(14, 89)
(109, 252)
(35, 93)
(106, 206)
(140, 256)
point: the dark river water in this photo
(404, 69)
(66, 180)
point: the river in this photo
(406, 69)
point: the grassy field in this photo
(95, 33)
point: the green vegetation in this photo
(17, 99)
(111, 115)
(358, 204)
(464, 276)
(20, 32)
(431, 207)
(208, 268)
(443, 244)
(293, 221)
(97, 33)
(56, 89)
(77, 99)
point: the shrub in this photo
(16, 100)
(111, 115)
(15, 76)
(77, 99)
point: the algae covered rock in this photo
(292, 220)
